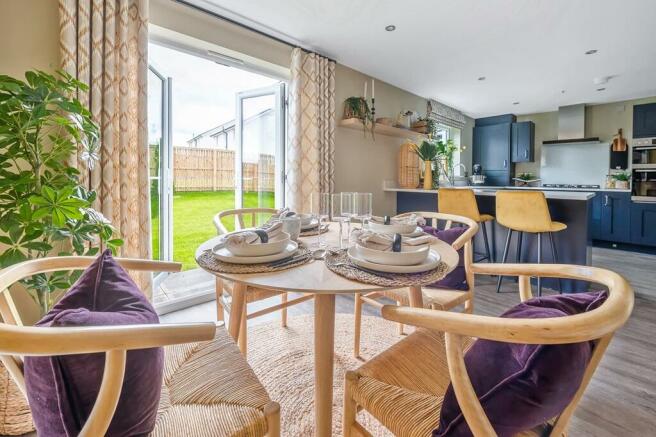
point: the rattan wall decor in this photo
(408, 166)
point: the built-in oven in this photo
(644, 153)
(643, 188)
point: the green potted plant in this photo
(357, 107)
(427, 152)
(44, 210)
(445, 151)
(622, 179)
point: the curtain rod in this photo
(244, 26)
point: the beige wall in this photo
(601, 121)
(362, 164)
(29, 36)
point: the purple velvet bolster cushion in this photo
(457, 279)
(522, 386)
(63, 389)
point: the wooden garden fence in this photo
(205, 169)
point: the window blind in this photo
(445, 115)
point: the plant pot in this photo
(428, 175)
(621, 185)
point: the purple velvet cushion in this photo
(62, 389)
(522, 386)
(456, 280)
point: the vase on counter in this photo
(428, 175)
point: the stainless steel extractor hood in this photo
(571, 126)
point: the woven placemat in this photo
(313, 231)
(209, 262)
(351, 271)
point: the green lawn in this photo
(192, 219)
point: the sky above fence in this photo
(203, 92)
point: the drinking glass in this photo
(362, 207)
(337, 214)
(320, 210)
(347, 212)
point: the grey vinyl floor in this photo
(620, 400)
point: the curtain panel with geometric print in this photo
(104, 43)
(311, 146)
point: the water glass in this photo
(320, 210)
(339, 215)
(292, 225)
(362, 207)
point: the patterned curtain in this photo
(104, 43)
(311, 149)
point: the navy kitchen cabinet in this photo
(523, 141)
(595, 216)
(644, 120)
(615, 216)
(492, 152)
(643, 223)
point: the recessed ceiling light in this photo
(562, 91)
(390, 28)
(481, 78)
(515, 103)
(600, 89)
(591, 52)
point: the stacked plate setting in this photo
(277, 248)
(411, 259)
(308, 222)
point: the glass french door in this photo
(160, 166)
(260, 136)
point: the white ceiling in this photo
(528, 50)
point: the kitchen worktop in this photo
(561, 194)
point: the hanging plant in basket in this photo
(357, 107)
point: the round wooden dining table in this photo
(315, 278)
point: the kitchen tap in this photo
(464, 169)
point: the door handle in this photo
(505, 163)
(606, 200)
(526, 154)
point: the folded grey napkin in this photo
(242, 238)
(384, 242)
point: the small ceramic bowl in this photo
(409, 255)
(273, 246)
(393, 228)
(306, 219)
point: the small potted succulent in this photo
(525, 179)
(622, 180)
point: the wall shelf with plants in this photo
(391, 131)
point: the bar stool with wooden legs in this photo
(462, 202)
(527, 212)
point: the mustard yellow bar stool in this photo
(526, 212)
(462, 202)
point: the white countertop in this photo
(561, 194)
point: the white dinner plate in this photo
(225, 255)
(432, 261)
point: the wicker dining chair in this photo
(404, 386)
(434, 298)
(224, 289)
(206, 402)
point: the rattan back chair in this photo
(248, 218)
(434, 298)
(201, 401)
(403, 387)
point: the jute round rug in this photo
(283, 359)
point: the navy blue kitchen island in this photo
(573, 244)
